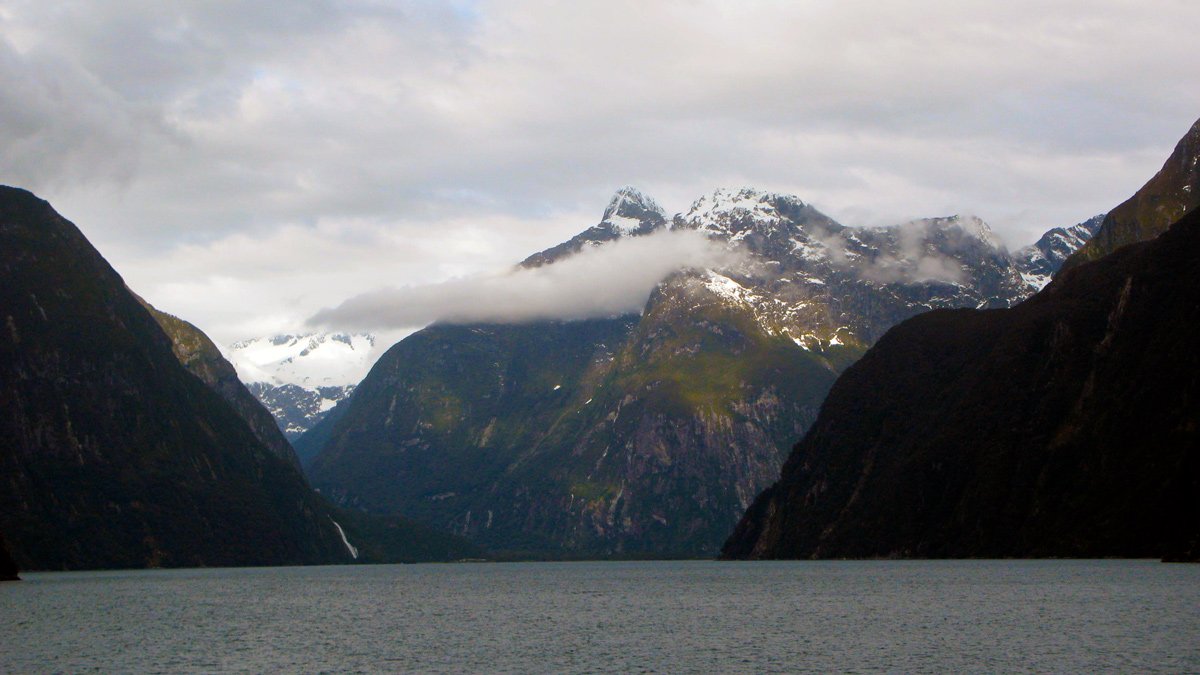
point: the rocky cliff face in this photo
(115, 455)
(1066, 426)
(1172, 192)
(645, 434)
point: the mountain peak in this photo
(742, 202)
(747, 214)
(631, 209)
(629, 213)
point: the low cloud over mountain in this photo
(600, 281)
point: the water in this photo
(611, 617)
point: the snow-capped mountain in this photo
(815, 280)
(1039, 261)
(299, 378)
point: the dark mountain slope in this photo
(112, 454)
(201, 357)
(1172, 192)
(446, 413)
(1066, 426)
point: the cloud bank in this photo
(164, 126)
(599, 281)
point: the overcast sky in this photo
(245, 164)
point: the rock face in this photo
(115, 455)
(300, 378)
(1172, 192)
(1066, 426)
(645, 434)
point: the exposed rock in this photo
(300, 378)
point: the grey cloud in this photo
(60, 126)
(607, 280)
(924, 267)
(907, 255)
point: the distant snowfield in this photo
(300, 378)
(309, 361)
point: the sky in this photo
(246, 165)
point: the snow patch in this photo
(1036, 281)
(623, 224)
(725, 287)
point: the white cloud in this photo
(608, 280)
(251, 284)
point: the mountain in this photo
(300, 378)
(1164, 199)
(1039, 262)
(645, 434)
(8, 568)
(115, 455)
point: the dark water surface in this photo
(979, 616)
